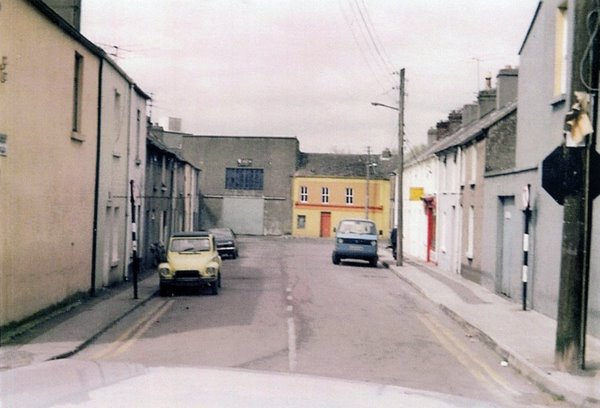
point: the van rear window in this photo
(357, 227)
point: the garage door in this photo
(244, 215)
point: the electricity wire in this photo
(379, 48)
(361, 50)
(365, 33)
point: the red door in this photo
(430, 231)
(325, 224)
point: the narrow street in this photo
(285, 307)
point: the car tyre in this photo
(219, 281)
(164, 290)
(335, 259)
(373, 262)
(215, 288)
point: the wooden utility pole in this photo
(368, 170)
(574, 273)
(400, 229)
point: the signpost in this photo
(136, 263)
(526, 202)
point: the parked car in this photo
(226, 244)
(192, 260)
(355, 239)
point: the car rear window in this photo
(357, 227)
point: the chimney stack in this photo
(507, 82)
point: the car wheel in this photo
(234, 255)
(335, 259)
(219, 281)
(164, 290)
(215, 288)
(373, 262)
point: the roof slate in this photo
(343, 165)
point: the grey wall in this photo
(277, 156)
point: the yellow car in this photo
(192, 260)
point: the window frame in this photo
(349, 195)
(76, 113)
(244, 178)
(324, 195)
(303, 194)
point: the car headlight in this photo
(373, 243)
(211, 270)
(340, 241)
(164, 272)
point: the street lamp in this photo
(400, 109)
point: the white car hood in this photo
(75, 383)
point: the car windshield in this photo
(190, 245)
(357, 227)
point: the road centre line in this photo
(292, 358)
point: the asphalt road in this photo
(285, 307)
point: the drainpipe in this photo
(127, 179)
(97, 182)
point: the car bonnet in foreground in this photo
(102, 384)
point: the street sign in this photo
(525, 197)
(560, 173)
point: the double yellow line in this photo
(130, 336)
(488, 377)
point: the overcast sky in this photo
(309, 68)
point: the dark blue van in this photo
(355, 239)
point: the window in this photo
(349, 195)
(77, 92)
(190, 245)
(325, 195)
(303, 194)
(301, 221)
(243, 179)
(561, 56)
(114, 257)
(138, 127)
(470, 232)
(463, 166)
(473, 164)
(164, 230)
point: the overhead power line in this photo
(383, 80)
(375, 40)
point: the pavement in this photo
(66, 331)
(524, 339)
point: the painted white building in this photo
(420, 184)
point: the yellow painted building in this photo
(321, 198)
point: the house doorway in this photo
(430, 215)
(325, 225)
(506, 230)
